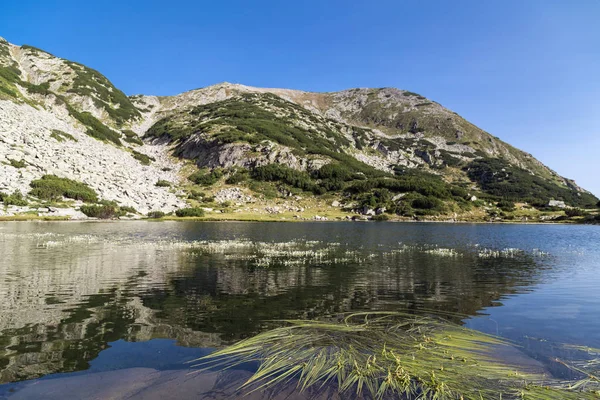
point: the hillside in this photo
(68, 137)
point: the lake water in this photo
(134, 301)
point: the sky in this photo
(523, 70)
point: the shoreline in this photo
(33, 218)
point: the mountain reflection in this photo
(66, 295)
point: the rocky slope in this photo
(61, 118)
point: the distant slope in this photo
(384, 149)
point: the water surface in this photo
(80, 299)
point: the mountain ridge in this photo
(388, 133)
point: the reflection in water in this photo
(68, 290)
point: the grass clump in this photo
(142, 158)
(190, 212)
(14, 199)
(390, 355)
(61, 136)
(163, 183)
(52, 187)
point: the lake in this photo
(129, 303)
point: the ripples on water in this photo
(71, 290)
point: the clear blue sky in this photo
(524, 70)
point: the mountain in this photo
(68, 136)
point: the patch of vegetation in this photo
(395, 355)
(190, 212)
(88, 82)
(506, 205)
(142, 158)
(100, 211)
(106, 210)
(412, 181)
(196, 195)
(163, 183)
(132, 137)
(33, 49)
(575, 212)
(498, 178)
(14, 199)
(128, 209)
(206, 178)
(61, 136)
(9, 76)
(17, 163)
(51, 187)
(289, 176)
(95, 128)
(413, 94)
(42, 89)
(239, 176)
(156, 214)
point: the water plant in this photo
(393, 354)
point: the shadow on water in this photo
(71, 291)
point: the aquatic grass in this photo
(384, 354)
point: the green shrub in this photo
(95, 128)
(334, 171)
(190, 212)
(506, 205)
(238, 177)
(88, 82)
(575, 212)
(196, 195)
(142, 158)
(156, 214)
(43, 89)
(61, 136)
(51, 187)
(281, 173)
(428, 203)
(206, 179)
(132, 137)
(101, 211)
(423, 183)
(128, 210)
(17, 163)
(14, 199)
(499, 178)
(163, 183)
